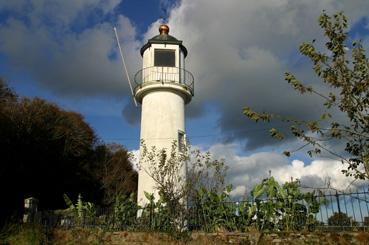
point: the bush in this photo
(21, 234)
(341, 219)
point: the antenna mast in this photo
(125, 67)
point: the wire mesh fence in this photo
(336, 211)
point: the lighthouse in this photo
(163, 87)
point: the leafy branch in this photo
(348, 79)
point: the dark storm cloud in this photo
(239, 52)
(131, 113)
(40, 38)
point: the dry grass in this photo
(16, 234)
(34, 235)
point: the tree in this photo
(6, 94)
(203, 185)
(116, 173)
(47, 151)
(341, 219)
(347, 75)
(44, 153)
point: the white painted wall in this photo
(162, 116)
(148, 55)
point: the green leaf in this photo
(287, 153)
(257, 191)
(276, 134)
(149, 196)
(325, 116)
(256, 116)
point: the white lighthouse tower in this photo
(163, 87)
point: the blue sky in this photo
(105, 114)
(65, 52)
(110, 126)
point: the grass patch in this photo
(22, 234)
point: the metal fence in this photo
(344, 209)
(169, 75)
(337, 211)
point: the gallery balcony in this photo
(170, 77)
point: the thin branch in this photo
(300, 148)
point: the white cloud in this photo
(64, 51)
(238, 52)
(239, 191)
(135, 158)
(60, 13)
(325, 170)
(244, 172)
(247, 171)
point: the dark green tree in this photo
(116, 173)
(344, 68)
(44, 153)
(47, 151)
(6, 94)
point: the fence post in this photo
(151, 218)
(237, 213)
(338, 202)
(30, 210)
(162, 75)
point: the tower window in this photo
(181, 141)
(164, 57)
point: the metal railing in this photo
(344, 209)
(337, 212)
(154, 74)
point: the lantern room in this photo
(164, 63)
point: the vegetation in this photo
(204, 175)
(341, 219)
(19, 234)
(273, 207)
(54, 151)
(81, 209)
(116, 173)
(366, 221)
(167, 169)
(283, 207)
(125, 211)
(213, 211)
(13, 232)
(344, 68)
(47, 151)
